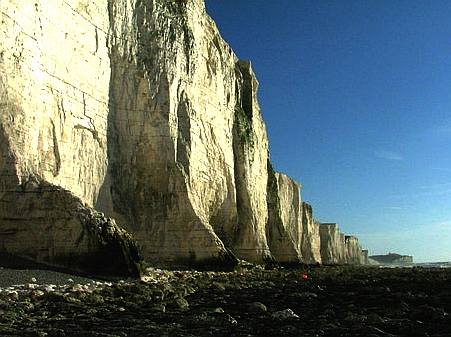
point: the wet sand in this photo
(325, 301)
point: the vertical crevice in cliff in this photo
(250, 169)
(248, 89)
(274, 230)
(244, 106)
(183, 134)
(242, 137)
(56, 151)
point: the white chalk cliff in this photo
(284, 229)
(139, 116)
(310, 244)
(337, 248)
(54, 106)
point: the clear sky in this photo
(356, 96)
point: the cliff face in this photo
(310, 243)
(189, 146)
(337, 248)
(250, 147)
(51, 227)
(392, 258)
(353, 250)
(173, 101)
(365, 258)
(140, 110)
(53, 135)
(54, 95)
(284, 228)
(332, 244)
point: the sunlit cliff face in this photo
(139, 110)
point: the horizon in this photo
(356, 101)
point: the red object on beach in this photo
(304, 277)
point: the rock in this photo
(353, 250)
(392, 259)
(159, 308)
(50, 288)
(329, 313)
(72, 298)
(374, 318)
(310, 242)
(95, 298)
(37, 294)
(53, 124)
(142, 125)
(305, 295)
(75, 237)
(54, 297)
(364, 257)
(284, 227)
(333, 250)
(77, 287)
(229, 320)
(182, 303)
(250, 150)
(378, 332)
(218, 310)
(183, 134)
(258, 307)
(284, 314)
(12, 295)
(219, 286)
(134, 156)
(352, 317)
(290, 330)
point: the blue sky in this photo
(356, 96)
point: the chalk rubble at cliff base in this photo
(134, 127)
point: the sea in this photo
(422, 265)
(433, 264)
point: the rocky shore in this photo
(252, 301)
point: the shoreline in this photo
(321, 301)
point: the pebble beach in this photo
(323, 301)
